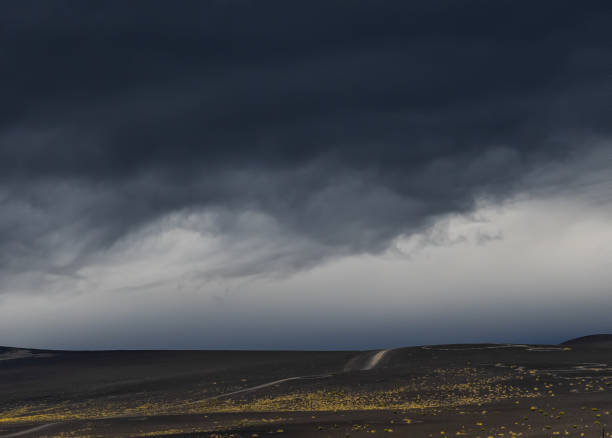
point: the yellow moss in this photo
(469, 386)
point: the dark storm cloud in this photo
(347, 123)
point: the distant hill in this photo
(600, 341)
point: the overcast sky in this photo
(321, 174)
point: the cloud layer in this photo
(285, 135)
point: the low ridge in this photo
(599, 340)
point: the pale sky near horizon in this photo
(330, 175)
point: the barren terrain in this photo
(486, 390)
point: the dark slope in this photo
(600, 341)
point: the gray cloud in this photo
(310, 132)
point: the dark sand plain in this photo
(486, 390)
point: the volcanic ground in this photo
(484, 390)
